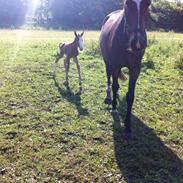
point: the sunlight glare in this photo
(35, 4)
(23, 34)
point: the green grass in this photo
(50, 134)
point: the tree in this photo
(12, 13)
(81, 13)
(167, 15)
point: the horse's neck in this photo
(120, 32)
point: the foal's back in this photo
(70, 50)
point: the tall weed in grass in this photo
(92, 48)
(179, 58)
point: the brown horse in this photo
(70, 51)
(123, 42)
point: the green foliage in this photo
(92, 48)
(50, 134)
(82, 14)
(167, 15)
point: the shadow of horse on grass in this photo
(71, 97)
(146, 158)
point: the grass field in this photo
(50, 134)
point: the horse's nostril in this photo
(138, 45)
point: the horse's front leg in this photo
(79, 70)
(67, 65)
(108, 99)
(115, 87)
(130, 99)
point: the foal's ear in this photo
(75, 33)
(82, 33)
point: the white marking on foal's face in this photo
(81, 43)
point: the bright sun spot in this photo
(31, 11)
(22, 35)
(35, 3)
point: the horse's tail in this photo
(122, 76)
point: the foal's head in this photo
(136, 12)
(79, 40)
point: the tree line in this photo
(82, 14)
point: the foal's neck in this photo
(75, 43)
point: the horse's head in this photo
(136, 12)
(79, 40)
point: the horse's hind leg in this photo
(56, 63)
(66, 65)
(108, 99)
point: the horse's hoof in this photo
(128, 136)
(114, 112)
(108, 101)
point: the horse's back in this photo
(110, 25)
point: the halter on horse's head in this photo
(135, 14)
(79, 40)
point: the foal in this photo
(71, 51)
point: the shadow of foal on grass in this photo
(145, 158)
(71, 97)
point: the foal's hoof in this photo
(128, 136)
(108, 101)
(117, 96)
(66, 83)
(52, 74)
(79, 92)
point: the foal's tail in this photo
(122, 76)
(61, 46)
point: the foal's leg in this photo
(108, 99)
(79, 70)
(115, 87)
(56, 63)
(130, 99)
(66, 65)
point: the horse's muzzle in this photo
(138, 44)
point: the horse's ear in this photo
(75, 33)
(82, 33)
